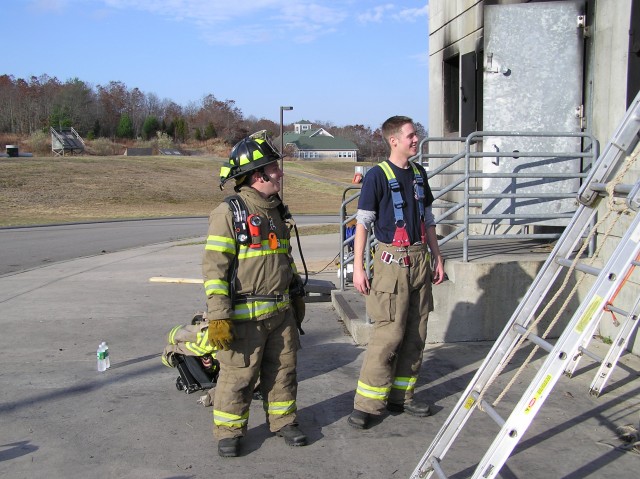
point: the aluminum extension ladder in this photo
(571, 345)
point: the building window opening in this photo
(451, 73)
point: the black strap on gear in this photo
(240, 215)
(240, 228)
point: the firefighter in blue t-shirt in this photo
(395, 199)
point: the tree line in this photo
(115, 111)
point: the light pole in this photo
(282, 108)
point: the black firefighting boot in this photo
(229, 447)
(413, 407)
(292, 435)
(359, 419)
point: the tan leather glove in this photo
(220, 333)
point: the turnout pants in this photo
(398, 305)
(267, 349)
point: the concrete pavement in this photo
(60, 418)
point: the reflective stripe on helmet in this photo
(249, 154)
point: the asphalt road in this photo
(25, 248)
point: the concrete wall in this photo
(138, 152)
(611, 44)
(456, 27)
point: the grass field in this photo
(42, 190)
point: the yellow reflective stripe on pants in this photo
(221, 418)
(216, 286)
(405, 384)
(280, 408)
(372, 392)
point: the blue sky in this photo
(344, 62)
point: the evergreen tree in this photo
(210, 131)
(150, 127)
(125, 127)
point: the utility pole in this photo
(282, 109)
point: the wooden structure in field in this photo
(66, 141)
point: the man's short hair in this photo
(393, 125)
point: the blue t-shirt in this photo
(375, 196)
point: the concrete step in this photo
(477, 298)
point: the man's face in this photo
(407, 140)
(269, 183)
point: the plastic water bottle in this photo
(105, 348)
(102, 363)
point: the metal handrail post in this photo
(467, 169)
(342, 255)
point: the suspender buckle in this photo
(400, 237)
(386, 257)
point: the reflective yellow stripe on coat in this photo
(224, 244)
(253, 309)
(245, 252)
(199, 347)
(216, 286)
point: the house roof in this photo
(318, 139)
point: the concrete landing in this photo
(477, 298)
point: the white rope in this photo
(612, 207)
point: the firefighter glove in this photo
(220, 333)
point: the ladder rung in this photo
(633, 198)
(492, 413)
(613, 309)
(547, 346)
(593, 356)
(618, 190)
(585, 268)
(435, 464)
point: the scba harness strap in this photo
(401, 237)
(246, 231)
(245, 225)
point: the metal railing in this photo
(459, 195)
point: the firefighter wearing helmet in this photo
(249, 275)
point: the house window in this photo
(451, 87)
